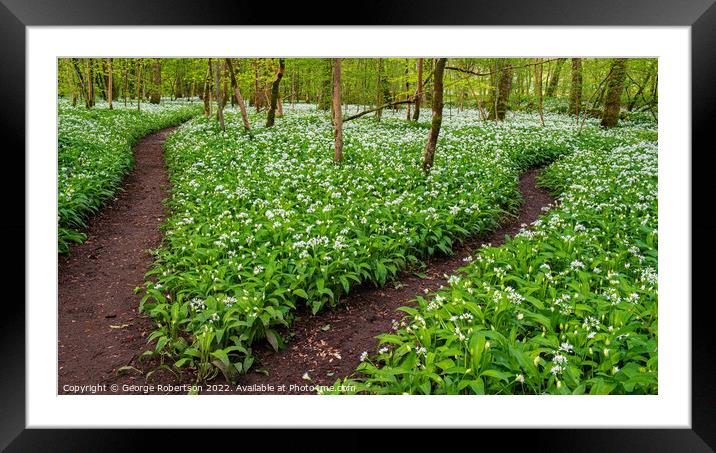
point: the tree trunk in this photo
(219, 95)
(206, 95)
(90, 81)
(156, 81)
(429, 152)
(237, 93)
(257, 94)
(615, 85)
(139, 85)
(554, 81)
(110, 84)
(337, 118)
(407, 89)
(80, 78)
(275, 85)
(538, 88)
(418, 91)
(575, 91)
(501, 101)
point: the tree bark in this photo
(156, 81)
(90, 81)
(615, 85)
(575, 91)
(219, 95)
(207, 91)
(337, 118)
(418, 91)
(554, 81)
(500, 104)
(139, 85)
(429, 152)
(237, 93)
(538, 88)
(80, 78)
(274, 93)
(110, 84)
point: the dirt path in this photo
(99, 329)
(328, 346)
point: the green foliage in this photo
(568, 306)
(95, 153)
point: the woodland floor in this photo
(101, 331)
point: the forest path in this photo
(99, 327)
(328, 345)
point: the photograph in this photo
(393, 225)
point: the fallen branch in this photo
(389, 104)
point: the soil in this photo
(99, 329)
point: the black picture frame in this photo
(16, 15)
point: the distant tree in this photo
(139, 84)
(275, 92)
(575, 90)
(429, 151)
(207, 91)
(418, 91)
(554, 80)
(538, 87)
(90, 82)
(219, 95)
(324, 99)
(110, 83)
(337, 118)
(156, 81)
(615, 85)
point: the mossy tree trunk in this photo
(554, 80)
(575, 91)
(615, 85)
(429, 151)
(501, 97)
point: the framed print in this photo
(446, 218)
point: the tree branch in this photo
(389, 104)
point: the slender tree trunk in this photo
(90, 81)
(139, 85)
(538, 88)
(429, 152)
(257, 94)
(237, 93)
(110, 84)
(554, 81)
(407, 89)
(80, 78)
(418, 91)
(575, 91)
(219, 95)
(275, 85)
(337, 118)
(378, 89)
(642, 87)
(207, 90)
(615, 85)
(156, 81)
